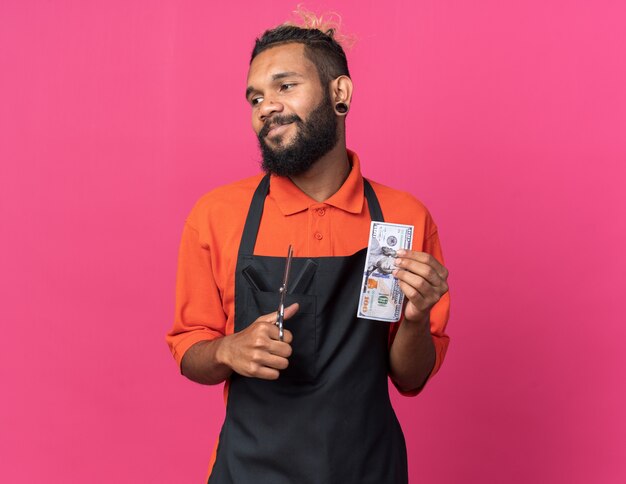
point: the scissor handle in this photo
(281, 313)
(281, 334)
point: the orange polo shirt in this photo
(339, 226)
(205, 286)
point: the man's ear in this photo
(341, 94)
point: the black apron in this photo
(328, 418)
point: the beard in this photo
(314, 138)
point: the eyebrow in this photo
(275, 77)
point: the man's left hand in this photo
(423, 281)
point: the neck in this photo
(326, 176)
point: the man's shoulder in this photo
(230, 196)
(230, 200)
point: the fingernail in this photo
(400, 252)
(398, 261)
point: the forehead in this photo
(281, 58)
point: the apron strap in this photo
(376, 213)
(253, 220)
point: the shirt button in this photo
(318, 236)
(321, 212)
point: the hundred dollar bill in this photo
(381, 297)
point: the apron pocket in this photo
(303, 360)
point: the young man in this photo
(314, 407)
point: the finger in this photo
(273, 316)
(423, 296)
(421, 269)
(425, 291)
(425, 258)
(274, 333)
(412, 296)
(268, 318)
(287, 336)
(291, 310)
(280, 348)
(266, 373)
(273, 361)
(413, 286)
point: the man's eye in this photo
(284, 87)
(256, 100)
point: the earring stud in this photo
(341, 108)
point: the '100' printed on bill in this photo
(381, 297)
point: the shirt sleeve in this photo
(440, 312)
(439, 315)
(198, 314)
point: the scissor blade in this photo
(287, 269)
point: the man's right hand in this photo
(257, 350)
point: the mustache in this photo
(277, 121)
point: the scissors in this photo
(283, 292)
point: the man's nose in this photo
(269, 108)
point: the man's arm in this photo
(423, 280)
(412, 355)
(202, 364)
(254, 352)
(197, 339)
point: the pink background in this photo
(508, 119)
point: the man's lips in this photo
(277, 129)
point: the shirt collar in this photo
(290, 199)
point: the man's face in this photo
(292, 114)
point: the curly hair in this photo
(320, 45)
